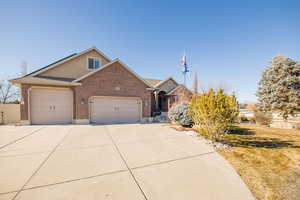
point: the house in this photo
(166, 93)
(89, 87)
(246, 112)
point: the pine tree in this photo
(279, 87)
(23, 68)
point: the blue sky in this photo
(228, 42)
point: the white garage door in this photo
(51, 106)
(115, 110)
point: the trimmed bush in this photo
(214, 112)
(180, 114)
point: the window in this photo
(94, 63)
(176, 98)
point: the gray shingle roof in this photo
(57, 78)
(152, 82)
(52, 64)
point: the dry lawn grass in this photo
(267, 159)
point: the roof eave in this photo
(176, 88)
(39, 81)
(160, 83)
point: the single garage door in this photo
(115, 109)
(51, 106)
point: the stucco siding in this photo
(74, 68)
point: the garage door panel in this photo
(115, 110)
(51, 106)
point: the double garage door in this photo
(115, 109)
(55, 106)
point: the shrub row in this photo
(212, 113)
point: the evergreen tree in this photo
(279, 87)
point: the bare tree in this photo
(24, 68)
(251, 106)
(195, 83)
(216, 85)
(8, 92)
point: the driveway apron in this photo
(124, 161)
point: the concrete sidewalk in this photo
(128, 161)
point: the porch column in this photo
(156, 100)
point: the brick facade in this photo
(24, 102)
(113, 80)
(102, 83)
(181, 94)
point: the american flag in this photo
(183, 60)
(184, 64)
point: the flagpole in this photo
(184, 73)
(185, 67)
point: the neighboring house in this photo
(279, 116)
(246, 113)
(88, 87)
(292, 122)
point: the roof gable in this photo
(167, 85)
(152, 82)
(164, 81)
(66, 59)
(111, 64)
(177, 88)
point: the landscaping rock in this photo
(215, 145)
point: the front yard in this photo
(267, 159)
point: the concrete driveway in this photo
(129, 161)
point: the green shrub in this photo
(262, 118)
(214, 112)
(180, 114)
